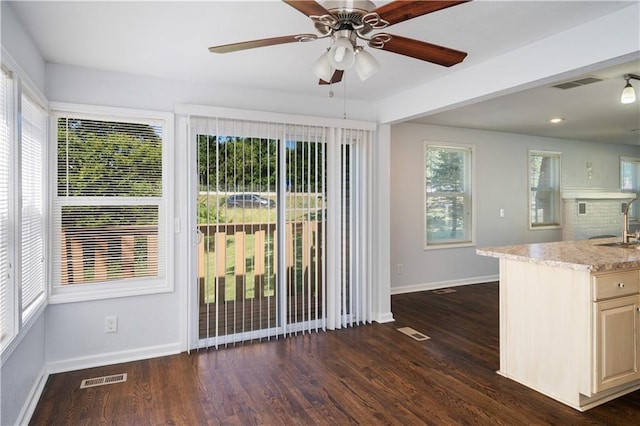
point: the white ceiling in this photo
(169, 39)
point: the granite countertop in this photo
(577, 255)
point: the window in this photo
(23, 214)
(111, 204)
(630, 174)
(6, 261)
(544, 194)
(449, 217)
(630, 181)
(32, 154)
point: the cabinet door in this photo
(617, 354)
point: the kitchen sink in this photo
(621, 244)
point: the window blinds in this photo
(109, 201)
(33, 126)
(6, 104)
(302, 266)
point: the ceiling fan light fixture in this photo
(322, 68)
(341, 55)
(365, 65)
(628, 94)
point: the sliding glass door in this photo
(265, 196)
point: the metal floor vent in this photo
(413, 333)
(105, 380)
(445, 290)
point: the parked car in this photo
(251, 201)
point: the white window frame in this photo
(128, 286)
(634, 191)
(469, 194)
(21, 319)
(636, 162)
(556, 193)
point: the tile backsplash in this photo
(587, 218)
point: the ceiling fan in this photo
(346, 21)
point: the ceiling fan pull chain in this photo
(344, 98)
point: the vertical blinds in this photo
(270, 271)
(33, 126)
(6, 104)
(109, 200)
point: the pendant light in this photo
(628, 94)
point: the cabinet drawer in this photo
(616, 284)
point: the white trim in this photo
(383, 317)
(471, 172)
(381, 224)
(274, 117)
(111, 358)
(558, 155)
(122, 114)
(444, 284)
(624, 159)
(31, 402)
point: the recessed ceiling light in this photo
(556, 120)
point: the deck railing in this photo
(94, 254)
(253, 253)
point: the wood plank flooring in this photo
(369, 375)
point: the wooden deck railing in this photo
(308, 234)
(91, 254)
(253, 310)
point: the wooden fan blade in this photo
(402, 10)
(308, 7)
(424, 51)
(234, 47)
(335, 78)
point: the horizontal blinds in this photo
(109, 158)
(33, 124)
(108, 210)
(6, 103)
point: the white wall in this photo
(83, 85)
(501, 182)
(21, 47)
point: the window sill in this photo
(449, 245)
(544, 227)
(110, 290)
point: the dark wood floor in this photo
(364, 375)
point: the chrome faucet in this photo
(626, 234)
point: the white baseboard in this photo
(443, 284)
(112, 358)
(32, 399)
(385, 317)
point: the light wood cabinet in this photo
(570, 334)
(616, 330)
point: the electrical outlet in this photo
(111, 324)
(399, 268)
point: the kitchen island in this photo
(570, 319)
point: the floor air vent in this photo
(445, 291)
(105, 380)
(413, 333)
